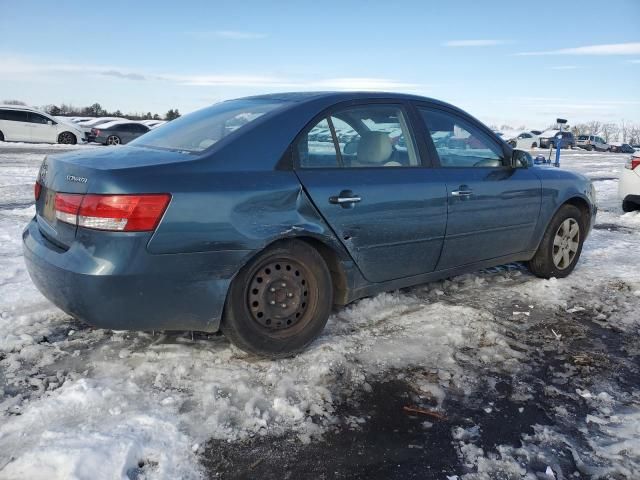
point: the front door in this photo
(361, 169)
(41, 131)
(492, 207)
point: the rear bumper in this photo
(119, 285)
(629, 185)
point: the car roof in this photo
(22, 107)
(118, 123)
(340, 96)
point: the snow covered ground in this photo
(514, 376)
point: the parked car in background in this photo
(592, 142)
(548, 139)
(25, 124)
(524, 140)
(117, 132)
(153, 123)
(621, 148)
(536, 132)
(259, 231)
(629, 184)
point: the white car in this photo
(629, 184)
(524, 140)
(25, 124)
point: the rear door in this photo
(492, 207)
(17, 127)
(361, 168)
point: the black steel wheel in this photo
(279, 303)
(67, 138)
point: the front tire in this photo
(561, 244)
(280, 302)
(534, 145)
(1, 137)
(67, 138)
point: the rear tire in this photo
(534, 145)
(561, 245)
(1, 137)
(628, 206)
(280, 302)
(67, 138)
(113, 140)
(589, 148)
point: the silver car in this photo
(116, 133)
(592, 142)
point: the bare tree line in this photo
(96, 110)
(624, 131)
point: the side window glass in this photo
(35, 118)
(316, 149)
(459, 143)
(16, 115)
(375, 136)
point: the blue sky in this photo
(503, 61)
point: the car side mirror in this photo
(49, 122)
(521, 159)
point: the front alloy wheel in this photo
(67, 138)
(566, 243)
(561, 245)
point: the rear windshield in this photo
(200, 130)
(583, 137)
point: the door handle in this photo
(462, 191)
(345, 199)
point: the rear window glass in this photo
(200, 130)
(583, 137)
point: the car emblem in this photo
(73, 178)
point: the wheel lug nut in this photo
(283, 305)
(272, 302)
(272, 289)
(283, 284)
(290, 295)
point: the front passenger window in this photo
(459, 143)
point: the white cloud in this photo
(473, 43)
(631, 48)
(25, 68)
(229, 35)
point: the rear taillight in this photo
(633, 163)
(37, 188)
(117, 213)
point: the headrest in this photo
(374, 147)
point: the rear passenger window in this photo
(459, 143)
(316, 148)
(15, 115)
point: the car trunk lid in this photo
(100, 171)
